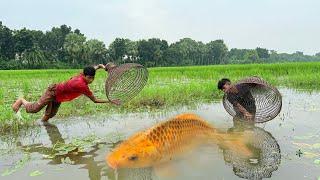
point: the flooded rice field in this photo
(288, 147)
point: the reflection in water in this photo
(266, 157)
(132, 174)
(95, 168)
(86, 158)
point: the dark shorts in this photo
(47, 99)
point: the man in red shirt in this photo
(62, 92)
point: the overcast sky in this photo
(282, 25)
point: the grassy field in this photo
(167, 87)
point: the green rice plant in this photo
(167, 87)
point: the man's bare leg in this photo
(16, 105)
(20, 101)
(45, 121)
(45, 118)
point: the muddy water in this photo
(287, 147)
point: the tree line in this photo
(62, 47)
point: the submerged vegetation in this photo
(61, 152)
(167, 87)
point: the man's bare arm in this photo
(95, 100)
(245, 113)
(99, 66)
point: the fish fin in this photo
(187, 116)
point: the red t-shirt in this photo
(72, 89)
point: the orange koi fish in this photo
(166, 140)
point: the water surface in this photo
(288, 147)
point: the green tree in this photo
(95, 51)
(186, 52)
(217, 52)
(252, 56)
(24, 40)
(190, 50)
(27, 48)
(298, 53)
(33, 58)
(237, 55)
(53, 43)
(77, 31)
(117, 50)
(74, 46)
(262, 53)
(173, 56)
(6, 43)
(131, 51)
(151, 51)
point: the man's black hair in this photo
(89, 71)
(222, 82)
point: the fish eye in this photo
(133, 158)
